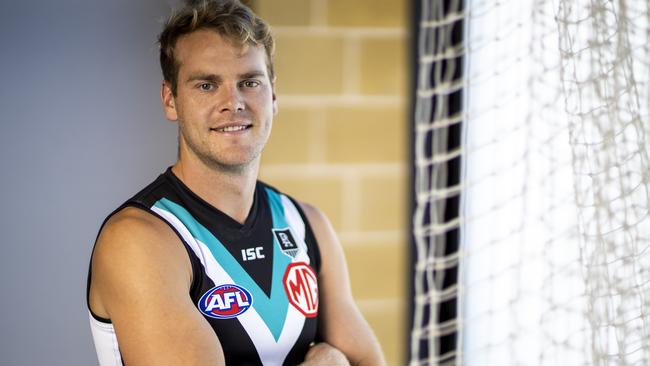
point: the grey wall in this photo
(81, 129)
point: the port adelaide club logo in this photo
(225, 301)
(286, 241)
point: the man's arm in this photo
(344, 328)
(141, 277)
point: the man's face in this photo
(224, 101)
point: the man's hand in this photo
(326, 355)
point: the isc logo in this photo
(225, 301)
(252, 254)
(301, 286)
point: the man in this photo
(207, 265)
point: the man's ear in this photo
(168, 101)
(275, 100)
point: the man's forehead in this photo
(205, 41)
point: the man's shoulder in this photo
(312, 213)
(132, 228)
(136, 253)
(134, 242)
(131, 219)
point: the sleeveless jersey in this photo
(256, 283)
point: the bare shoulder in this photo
(134, 232)
(332, 257)
(136, 250)
(309, 209)
(317, 219)
(123, 225)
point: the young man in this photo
(207, 265)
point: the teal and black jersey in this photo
(256, 283)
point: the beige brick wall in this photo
(339, 140)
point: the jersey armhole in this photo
(195, 284)
(309, 235)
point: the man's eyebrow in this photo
(218, 79)
(252, 74)
(204, 77)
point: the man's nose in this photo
(231, 99)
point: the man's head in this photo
(229, 18)
(219, 85)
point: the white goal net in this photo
(554, 251)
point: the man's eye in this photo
(251, 83)
(206, 86)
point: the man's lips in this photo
(232, 127)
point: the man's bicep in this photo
(141, 276)
(166, 332)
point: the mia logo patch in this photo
(286, 241)
(301, 285)
(225, 301)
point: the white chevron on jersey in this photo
(297, 227)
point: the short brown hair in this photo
(229, 18)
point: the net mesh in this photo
(554, 262)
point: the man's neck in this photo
(230, 192)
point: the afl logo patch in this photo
(225, 302)
(301, 286)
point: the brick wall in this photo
(339, 140)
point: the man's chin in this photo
(234, 164)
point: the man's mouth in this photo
(232, 128)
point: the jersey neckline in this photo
(224, 218)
